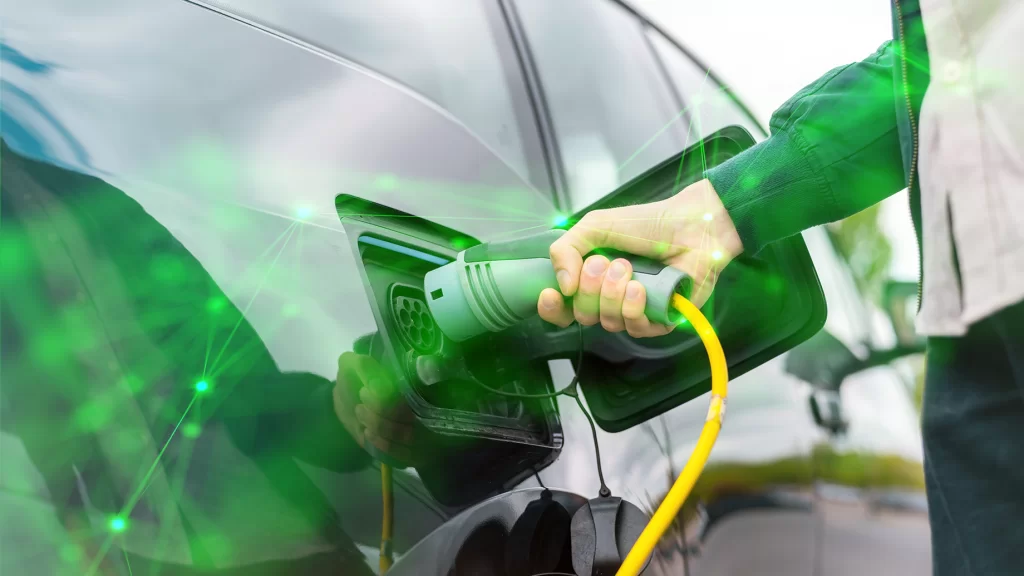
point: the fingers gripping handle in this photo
(493, 286)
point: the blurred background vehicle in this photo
(177, 287)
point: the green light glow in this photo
(202, 386)
(208, 162)
(560, 220)
(70, 553)
(716, 255)
(303, 212)
(93, 415)
(118, 524)
(386, 182)
(215, 305)
(191, 430)
(707, 216)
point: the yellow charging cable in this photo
(669, 508)
(387, 523)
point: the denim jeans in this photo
(973, 425)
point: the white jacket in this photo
(971, 162)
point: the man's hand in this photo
(371, 410)
(690, 231)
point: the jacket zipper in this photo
(913, 134)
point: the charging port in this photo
(479, 443)
(416, 329)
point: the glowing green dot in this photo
(202, 386)
(215, 305)
(216, 544)
(716, 255)
(118, 524)
(168, 269)
(14, 254)
(48, 347)
(707, 216)
(560, 220)
(460, 243)
(303, 212)
(93, 415)
(191, 430)
(133, 383)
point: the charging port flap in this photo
(480, 443)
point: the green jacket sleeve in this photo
(833, 151)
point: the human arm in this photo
(834, 150)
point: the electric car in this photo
(179, 281)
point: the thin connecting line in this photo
(280, 237)
(127, 563)
(209, 336)
(698, 135)
(651, 140)
(467, 194)
(134, 499)
(259, 288)
(700, 145)
(479, 196)
(472, 218)
(144, 484)
(298, 251)
(176, 488)
(518, 230)
(209, 347)
(661, 130)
